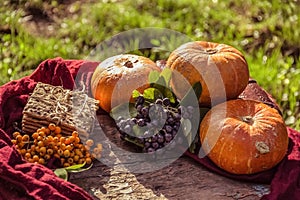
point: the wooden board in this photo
(182, 179)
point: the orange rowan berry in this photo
(55, 139)
(19, 138)
(25, 138)
(62, 139)
(57, 130)
(72, 153)
(42, 134)
(97, 150)
(67, 164)
(70, 161)
(27, 155)
(87, 148)
(20, 145)
(69, 147)
(76, 158)
(56, 155)
(76, 140)
(16, 133)
(75, 134)
(35, 158)
(47, 131)
(35, 135)
(23, 151)
(47, 157)
(81, 161)
(14, 141)
(88, 161)
(60, 152)
(40, 143)
(66, 153)
(50, 151)
(40, 138)
(43, 151)
(52, 127)
(67, 141)
(99, 146)
(89, 142)
(41, 161)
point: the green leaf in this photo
(153, 76)
(196, 90)
(77, 170)
(61, 173)
(138, 131)
(152, 93)
(75, 166)
(135, 94)
(166, 74)
(169, 94)
(126, 110)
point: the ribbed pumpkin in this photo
(116, 77)
(221, 69)
(244, 136)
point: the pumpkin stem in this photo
(248, 119)
(210, 51)
(128, 64)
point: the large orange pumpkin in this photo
(244, 136)
(221, 69)
(116, 77)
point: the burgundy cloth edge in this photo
(17, 165)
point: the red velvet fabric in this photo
(22, 180)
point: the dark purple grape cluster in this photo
(155, 125)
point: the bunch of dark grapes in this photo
(155, 124)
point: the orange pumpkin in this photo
(244, 136)
(221, 69)
(116, 77)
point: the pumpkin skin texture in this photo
(115, 78)
(244, 136)
(221, 69)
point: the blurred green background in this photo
(267, 32)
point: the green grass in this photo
(267, 32)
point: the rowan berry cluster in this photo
(48, 142)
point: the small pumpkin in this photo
(244, 136)
(116, 77)
(221, 69)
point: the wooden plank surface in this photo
(182, 179)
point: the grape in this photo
(161, 121)
(139, 108)
(140, 100)
(155, 145)
(170, 120)
(168, 128)
(147, 145)
(141, 122)
(159, 101)
(145, 111)
(168, 137)
(127, 128)
(190, 109)
(166, 101)
(160, 139)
